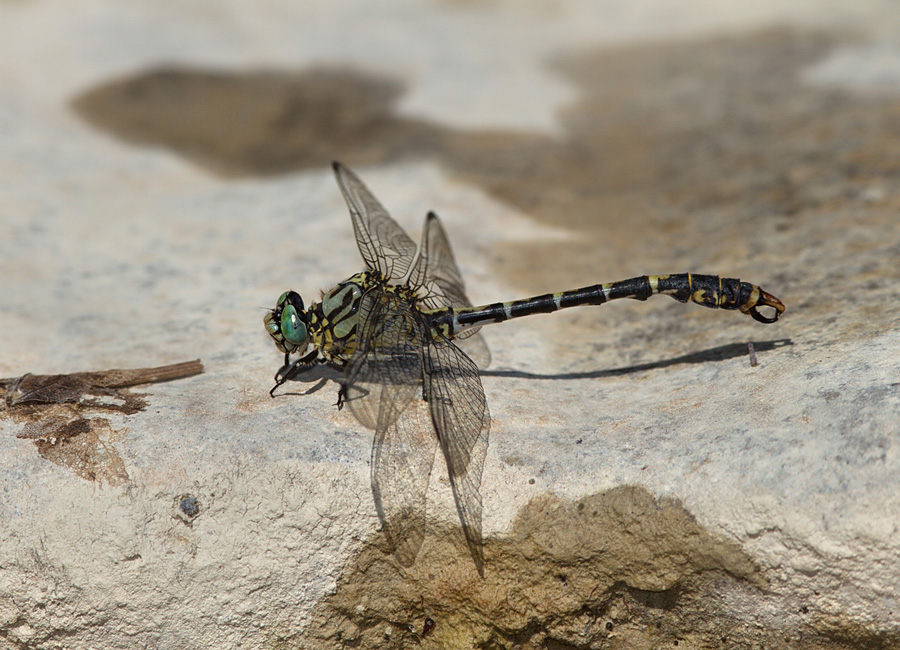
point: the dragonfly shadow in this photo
(318, 375)
(719, 353)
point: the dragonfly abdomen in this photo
(707, 290)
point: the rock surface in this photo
(165, 177)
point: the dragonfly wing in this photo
(386, 368)
(437, 272)
(383, 244)
(402, 458)
(477, 349)
(441, 273)
(383, 389)
(462, 422)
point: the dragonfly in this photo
(406, 338)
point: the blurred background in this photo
(703, 136)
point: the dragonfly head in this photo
(287, 324)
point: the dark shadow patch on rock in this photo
(565, 571)
(263, 122)
(616, 569)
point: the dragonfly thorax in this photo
(333, 320)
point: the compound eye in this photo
(273, 327)
(293, 327)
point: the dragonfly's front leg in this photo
(293, 369)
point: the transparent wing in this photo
(437, 272)
(462, 422)
(383, 244)
(383, 389)
(402, 458)
(386, 368)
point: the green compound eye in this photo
(273, 327)
(286, 324)
(292, 327)
(293, 321)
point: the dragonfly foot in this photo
(290, 370)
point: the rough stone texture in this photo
(164, 178)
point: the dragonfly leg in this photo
(361, 392)
(293, 369)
